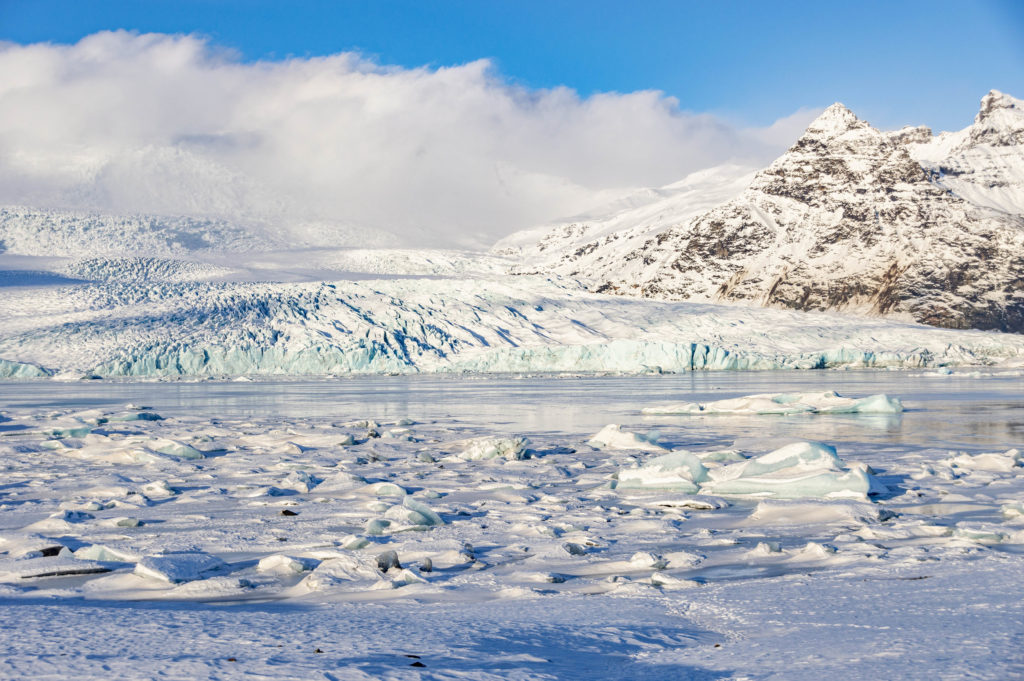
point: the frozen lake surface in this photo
(250, 528)
(957, 410)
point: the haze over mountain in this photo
(336, 150)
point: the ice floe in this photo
(180, 567)
(482, 448)
(613, 437)
(801, 469)
(681, 471)
(787, 403)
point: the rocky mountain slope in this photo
(850, 218)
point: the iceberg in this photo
(680, 471)
(106, 554)
(829, 402)
(993, 462)
(286, 565)
(509, 448)
(412, 514)
(613, 437)
(346, 572)
(177, 568)
(801, 469)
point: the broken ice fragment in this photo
(179, 567)
(282, 564)
(481, 448)
(613, 437)
(787, 403)
(801, 469)
(388, 560)
(643, 559)
(681, 471)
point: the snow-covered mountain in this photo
(850, 218)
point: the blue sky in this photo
(893, 63)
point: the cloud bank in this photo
(334, 149)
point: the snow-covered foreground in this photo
(353, 529)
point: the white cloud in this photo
(154, 123)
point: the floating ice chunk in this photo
(158, 489)
(31, 546)
(481, 448)
(123, 522)
(345, 571)
(412, 515)
(786, 512)
(61, 565)
(765, 549)
(300, 481)
(180, 567)
(644, 560)
(212, 587)
(801, 469)
(574, 549)
(1005, 462)
(813, 551)
(74, 430)
(109, 554)
(377, 526)
(670, 583)
(403, 518)
(433, 519)
(287, 565)
(721, 456)
(387, 561)
(788, 403)
(126, 417)
(353, 542)
(407, 577)
(613, 437)
(680, 471)
(1013, 510)
(387, 489)
(697, 503)
(340, 481)
(176, 449)
(62, 521)
(752, 404)
(980, 534)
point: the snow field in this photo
(230, 509)
(237, 546)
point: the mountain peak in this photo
(1000, 121)
(833, 121)
(996, 101)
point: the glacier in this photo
(403, 326)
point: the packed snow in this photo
(418, 516)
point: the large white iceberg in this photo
(801, 469)
(829, 402)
